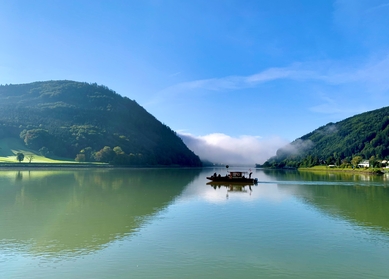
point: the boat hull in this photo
(229, 180)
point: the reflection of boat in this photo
(233, 187)
(234, 177)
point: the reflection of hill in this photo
(70, 211)
(293, 175)
(355, 197)
(367, 206)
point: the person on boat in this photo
(214, 175)
(250, 174)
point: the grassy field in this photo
(326, 169)
(9, 147)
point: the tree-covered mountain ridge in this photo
(88, 122)
(361, 137)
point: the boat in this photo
(233, 177)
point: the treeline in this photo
(88, 122)
(361, 137)
(332, 161)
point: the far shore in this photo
(376, 171)
(52, 165)
(76, 165)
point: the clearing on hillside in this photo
(9, 147)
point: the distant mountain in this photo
(365, 135)
(88, 122)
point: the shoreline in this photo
(50, 165)
(373, 171)
(80, 166)
(377, 171)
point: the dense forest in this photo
(345, 143)
(88, 122)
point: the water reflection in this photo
(66, 211)
(171, 224)
(359, 198)
(291, 175)
(232, 188)
(366, 206)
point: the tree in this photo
(356, 160)
(118, 150)
(80, 158)
(36, 138)
(20, 156)
(372, 161)
(105, 155)
(330, 160)
(87, 153)
(30, 157)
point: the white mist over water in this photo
(224, 149)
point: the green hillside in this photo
(86, 122)
(365, 135)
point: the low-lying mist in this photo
(219, 148)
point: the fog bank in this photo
(223, 149)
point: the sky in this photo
(236, 79)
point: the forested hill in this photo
(88, 122)
(365, 135)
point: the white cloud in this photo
(239, 82)
(243, 150)
(293, 72)
(370, 76)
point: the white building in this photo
(364, 164)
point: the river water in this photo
(168, 223)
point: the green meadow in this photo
(9, 147)
(339, 169)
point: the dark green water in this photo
(168, 223)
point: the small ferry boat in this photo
(233, 177)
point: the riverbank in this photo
(52, 165)
(76, 165)
(377, 171)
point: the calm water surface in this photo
(168, 223)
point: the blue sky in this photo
(240, 78)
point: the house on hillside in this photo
(364, 164)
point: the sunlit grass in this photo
(9, 147)
(35, 159)
(326, 169)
